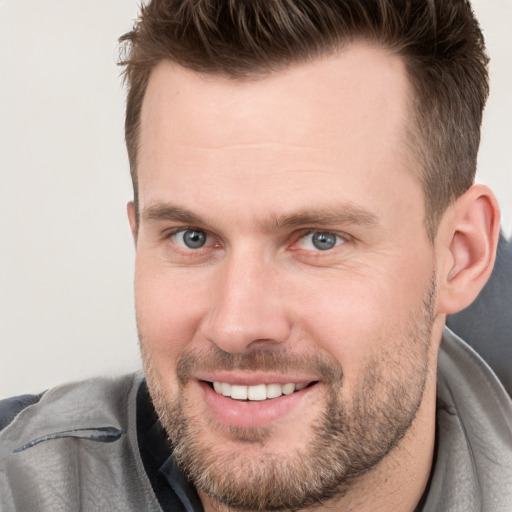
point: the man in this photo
(305, 219)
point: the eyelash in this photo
(168, 235)
(342, 239)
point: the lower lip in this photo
(247, 414)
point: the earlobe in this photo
(132, 218)
(469, 233)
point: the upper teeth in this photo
(258, 392)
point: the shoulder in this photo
(473, 459)
(11, 407)
(92, 403)
(74, 447)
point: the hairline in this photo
(415, 147)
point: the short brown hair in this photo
(440, 42)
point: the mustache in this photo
(190, 362)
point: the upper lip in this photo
(253, 379)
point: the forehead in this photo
(362, 76)
(336, 123)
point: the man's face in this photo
(282, 260)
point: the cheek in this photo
(169, 310)
(357, 319)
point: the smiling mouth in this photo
(259, 392)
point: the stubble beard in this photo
(346, 441)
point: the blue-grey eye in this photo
(190, 238)
(324, 241)
(320, 241)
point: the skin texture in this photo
(257, 167)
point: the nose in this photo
(247, 308)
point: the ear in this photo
(466, 248)
(132, 218)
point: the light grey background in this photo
(66, 255)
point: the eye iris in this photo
(194, 239)
(323, 241)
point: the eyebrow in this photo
(168, 212)
(344, 214)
